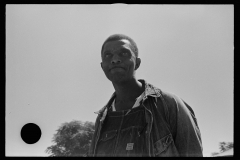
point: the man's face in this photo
(119, 61)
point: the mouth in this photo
(116, 69)
(113, 68)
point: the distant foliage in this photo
(214, 153)
(71, 139)
(223, 146)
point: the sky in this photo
(53, 72)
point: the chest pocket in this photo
(105, 146)
(163, 146)
(108, 135)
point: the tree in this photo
(214, 153)
(223, 146)
(71, 139)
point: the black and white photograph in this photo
(119, 80)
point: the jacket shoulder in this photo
(178, 105)
(175, 101)
(169, 98)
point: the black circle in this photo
(30, 133)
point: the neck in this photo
(128, 91)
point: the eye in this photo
(124, 53)
(107, 54)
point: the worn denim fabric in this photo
(172, 128)
(122, 134)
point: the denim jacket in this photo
(172, 128)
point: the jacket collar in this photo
(150, 90)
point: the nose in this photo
(115, 59)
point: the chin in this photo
(118, 79)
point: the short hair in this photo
(116, 37)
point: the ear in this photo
(138, 62)
(101, 65)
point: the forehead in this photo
(116, 45)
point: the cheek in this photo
(104, 68)
(132, 65)
(104, 65)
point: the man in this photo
(140, 119)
